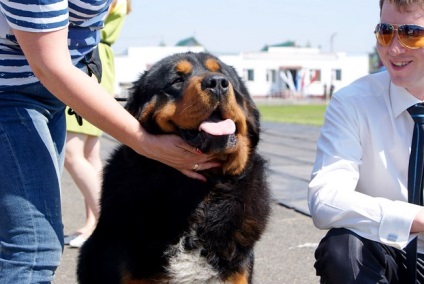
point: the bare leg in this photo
(84, 165)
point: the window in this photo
(271, 75)
(250, 75)
(338, 74)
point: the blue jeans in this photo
(32, 140)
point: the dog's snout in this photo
(215, 83)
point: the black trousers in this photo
(344, 257)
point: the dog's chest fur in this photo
(189, 266)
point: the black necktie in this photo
(415, 180)
(415, 172)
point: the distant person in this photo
(82, 159)
(44, 59)
(359, 185)
(109, 34)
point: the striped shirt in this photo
(83, 17)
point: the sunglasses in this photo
(410, 36)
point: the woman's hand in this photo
(174, 152)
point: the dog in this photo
(157, 225)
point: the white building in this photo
(274, 72)
(130, 66)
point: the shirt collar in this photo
(400, 99)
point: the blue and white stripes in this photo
(84, 18)
(35, 15)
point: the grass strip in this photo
(308, 114)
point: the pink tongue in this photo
(224, 127)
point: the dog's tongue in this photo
(224, 127)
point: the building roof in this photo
(288, 43)
(191, 41)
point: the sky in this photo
(232, 26)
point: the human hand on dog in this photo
(174, 152)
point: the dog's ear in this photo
(136, 93)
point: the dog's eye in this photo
(178, 80)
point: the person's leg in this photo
(84, 165)
(344, 257)
(92, 154)
(31, 230)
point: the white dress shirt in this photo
(360, 176)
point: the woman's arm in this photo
(49, 58)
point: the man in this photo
(359, 186)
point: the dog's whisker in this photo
(186, 107)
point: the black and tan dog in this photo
(159, 226)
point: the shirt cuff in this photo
(396, 224)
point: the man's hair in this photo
(402, 5)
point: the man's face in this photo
(405, 65)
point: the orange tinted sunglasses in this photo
(410, 36)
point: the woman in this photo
(44, 51)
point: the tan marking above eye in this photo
(212, 64)
(184, 67)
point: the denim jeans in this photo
(32, 140)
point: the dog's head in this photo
(201, 99)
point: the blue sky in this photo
(249, 25)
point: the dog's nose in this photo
(215, 83)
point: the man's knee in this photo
(344, 257)
(336, 250)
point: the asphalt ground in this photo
(285, 254)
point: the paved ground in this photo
(285, 253)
